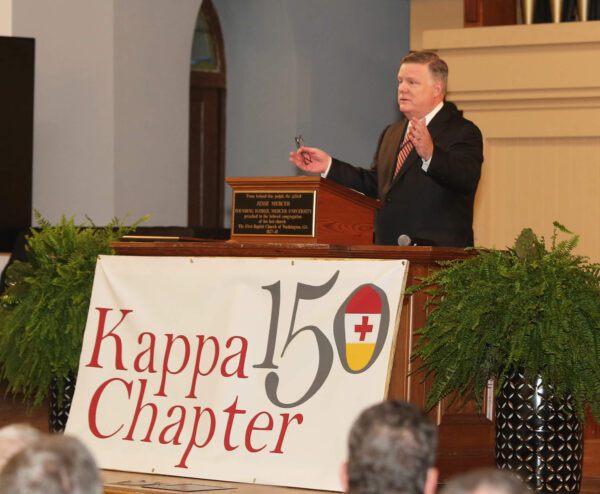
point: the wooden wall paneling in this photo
(472, 13)
(591, 454)
(15, 409)
(466, 435)
(535, 95)
(490, 12)
(433, 14)
(535, 181)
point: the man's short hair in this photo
(54, 464)
(437, 67)
(391, 447)
(487, 480)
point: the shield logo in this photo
(361, 324)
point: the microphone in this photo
(404, 241)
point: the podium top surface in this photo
(302, 182)
(418, 255)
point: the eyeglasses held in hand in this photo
(299, 144)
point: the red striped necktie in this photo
(405, 149)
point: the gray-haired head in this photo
(13, 438)
(391, 448)
(55, 464)
(486, 481)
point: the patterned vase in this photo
(59, 409)
(538, 436)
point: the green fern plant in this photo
(528, 307)
(44, 309)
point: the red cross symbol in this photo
(363, 328)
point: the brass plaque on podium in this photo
(274, 213)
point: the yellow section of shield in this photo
(359, 354)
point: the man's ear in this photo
(431, 481)
(344, 476)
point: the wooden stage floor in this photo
(113, 485)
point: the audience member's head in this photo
(391, 450)
(488, 481)
(55, 464)
(13, 438)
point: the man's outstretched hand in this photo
(312, 160)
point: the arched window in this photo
(206, 55)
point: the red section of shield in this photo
(365, 301)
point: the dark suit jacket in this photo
(436, 206)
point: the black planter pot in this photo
(538, 436)
(60, 404)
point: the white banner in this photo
(238, 369)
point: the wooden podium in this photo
(343, 225)
(311, 210)
(466, 439)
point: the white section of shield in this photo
(222, 297)
(352, 321)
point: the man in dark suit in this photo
(426, 167)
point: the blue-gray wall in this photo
(323, 68)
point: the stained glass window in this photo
(205, 56)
